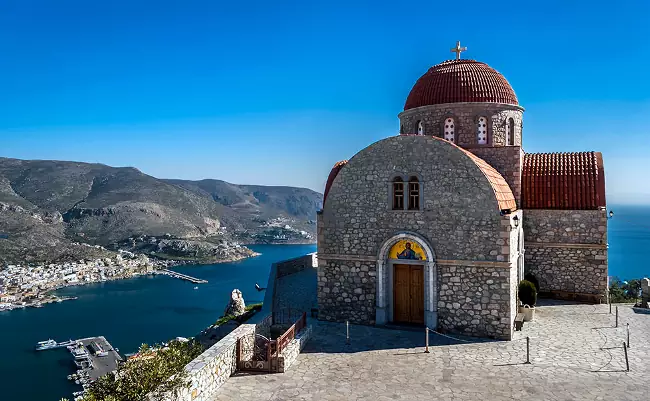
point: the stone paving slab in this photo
(576, 354)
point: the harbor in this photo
(181, 276)
(93, 356)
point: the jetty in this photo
(95, 355)
(181, 276)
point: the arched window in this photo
(420, 128)
(510, 132)
(482, 131)
(401, 129)
(450, 129)
(398, 194)
(414, 193)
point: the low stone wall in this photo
(214, 366)
(290, 353)
(295, 265)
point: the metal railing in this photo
(281, 342)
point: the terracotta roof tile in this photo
(502, 190)
(563, 181)
(455, 81)
(330, 179)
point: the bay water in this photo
(128, 313)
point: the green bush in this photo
(527, 293)
(159, 371)
(624, 291)
(532, 279)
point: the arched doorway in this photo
(407, 281)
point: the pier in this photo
(94, 356)
(181, 276)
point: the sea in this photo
(147, 309)
(159, 308)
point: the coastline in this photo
(21, 299)
(49, 297)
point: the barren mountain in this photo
(46, 206)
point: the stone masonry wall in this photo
(565, 226)
(291, 266)
(458, 216)
(346, 291)
(476, 301)
(466, 116)
(290, 353)
(458, 213)
(566, 250)
(507, 160)
(214, 366)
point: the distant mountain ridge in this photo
(46, 204)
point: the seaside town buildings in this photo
(28, 285)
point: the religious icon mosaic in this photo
(407, 249)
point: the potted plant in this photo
(528, 298)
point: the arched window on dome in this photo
(510, 132)
(414, 193)
(450, 129)
(398, 194)
(481, 131)
(420, 127)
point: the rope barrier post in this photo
(347, 332)
(617, 316)
(628, 335)
(609, 300)
(528, 350)
(426, 340)
(627, 363)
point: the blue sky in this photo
(276, 92)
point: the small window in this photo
(481, 131)
(401, 129)
(398, 194)
(510, 132)
(414, 194)
(450, 130)
(420, 128)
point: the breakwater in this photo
(181, 276)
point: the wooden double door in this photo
(408, 294)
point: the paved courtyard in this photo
(576, 354)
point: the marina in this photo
(181, 276)
(93, 356)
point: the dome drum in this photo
(431, 119)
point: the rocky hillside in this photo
(46, 207)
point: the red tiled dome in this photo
(455, 81)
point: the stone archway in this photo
(384, 299)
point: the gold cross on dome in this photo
(458, 50)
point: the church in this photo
(437, 225)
